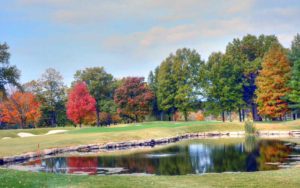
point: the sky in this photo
(132, 37)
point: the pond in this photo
(188, 157)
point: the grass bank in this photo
(267, 179)
(103, 135)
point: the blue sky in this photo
(131, 37)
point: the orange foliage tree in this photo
(199, 116)
(20, 108)
(272, 83)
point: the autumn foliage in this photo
(272, 84)
(81, 104)
(133, 98)
(20, 108)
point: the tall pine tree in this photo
(294, 96)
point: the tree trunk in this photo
(53, 119)
(230, 119)
(98, 115)
(223, 116)
(161, 115)
(240, 115)
(185, 116)
(253, 111)
(243, 114)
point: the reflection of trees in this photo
(87, 165)
(250, 143)
(56, 165)
(179, 159)
(142, 163)
(176, 165)
(228, 158)
(272, 152)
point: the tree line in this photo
(255, 76)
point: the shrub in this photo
(249, 127)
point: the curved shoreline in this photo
(142, 143)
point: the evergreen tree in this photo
(294, 84)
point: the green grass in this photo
(120, 133)
(268, 179)
(141, 126)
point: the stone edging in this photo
(141, 143)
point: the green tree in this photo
(153, 85)
(294, 83)
(248, 53)
(166, 90)
(8, 74)
(223, 88)
(51, 92)
(178, 82)
(294, 54)
(186, 65)
(100, 84)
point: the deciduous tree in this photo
(8, 74)
(100, 84)
(247, 53)
(178, 82)
(272, 83)
(20, 108)
(80, 103)
(133, 98)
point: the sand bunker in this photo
(23, 135)
(56, 131)
(4, 138)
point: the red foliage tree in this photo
(133, 98)
(20, 108)
(80, 104)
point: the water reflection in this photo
(192, 157)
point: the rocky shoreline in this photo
(141, 143)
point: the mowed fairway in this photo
(119, 133)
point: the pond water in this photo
(188, 157)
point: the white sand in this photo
(22, 135)
(4, 138)
(56, 131)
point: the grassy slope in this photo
(13, 133)
(269, 179)
(124, 133)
